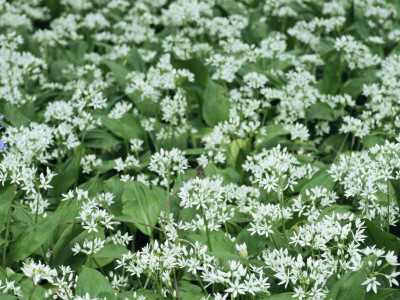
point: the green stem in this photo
(66, 293)
(388, 206)
(201, 284)
(146, 283)
(168, 191)
(341, 147)
(7, 233)
(353, 138)
(125, 137)
(280, 196)
(207, 230)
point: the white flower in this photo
(371, 283)
(392, 278)
(242, 250)
(38, 272)
(236, 288)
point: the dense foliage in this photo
(199, 149)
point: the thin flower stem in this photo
(207, 231)
(6, 235)
(388, 206)
(201, 284)
(341, 147)
(125, 137)
(9, 213)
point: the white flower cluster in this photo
(366, 177)
(263, 133)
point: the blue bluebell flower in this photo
(2, 145)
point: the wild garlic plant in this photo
(199, 149)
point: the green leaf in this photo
(222, 244)
(231, 7)
(229, 175)
(34, 236)
(215, 104)
(284, 296)
(349, 287)
(38, 293)
(118, 71)
(273, 131)
(322, 178)
(150, 295)
(141, 205)
(382, 294)
(67, 173)
(116, 187)
(354, 86)
(188, 290)
(111, 251)
(97, 138)
(135, 61)
(196, 67)
(396, 187)
(255, 243)
(96, 285)
(93, 186)
(7, 297)
(328, 211)
(332, 77)
(6, 196)
(14, 115)
(322, 111)
(382, 240)
(128, 127)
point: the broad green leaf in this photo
(127, 127)
(332, 77)
(79, 49)
(141, 205)
(196, 67)
(150, 295)
(396, 187)
(15, 115)
(135, 61)
(322, 111)
(38, 293)
(215, 103)
(382, 294)
(66, 232)
(349, 287)
(235, 147)
(383, 240)
(273, 131)
(111, 251)
(221, 243)
(96, 285)
(116, 187)
(189, 290)
(231, 7)
(7, 297)
(322, 178)
(67, 173)
(118, 71)
(255, 243)
(330, 210)
(93, 186)
(284, 296)
(228, 174)
(33, 237)
(6, 196)
(98, 138)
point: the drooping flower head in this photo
(2, 145)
